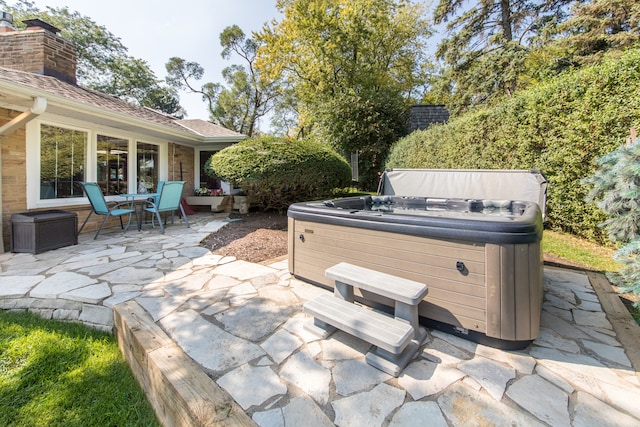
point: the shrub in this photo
(276, 172)
(616, 187)
(559, 127)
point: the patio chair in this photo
(167, 201)
(99, 206)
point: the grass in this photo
(55, 373)
(579, 252)
(587, 255)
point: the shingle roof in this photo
(110, 103)
(204, 128)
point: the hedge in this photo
(559, 127)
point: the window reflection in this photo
(62, 160)
(112, 162)
(147, 172)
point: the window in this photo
(62, 162)
(112, 165)
(147, 162)
(60, 155)
(207, 181)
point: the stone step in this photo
(383, 331)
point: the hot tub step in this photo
(378, 329)
(397, 288)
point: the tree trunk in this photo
(506, 20)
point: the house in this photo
(422, 116)
(55, 134)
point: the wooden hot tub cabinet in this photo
(483, 271)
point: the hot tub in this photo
(480, 258)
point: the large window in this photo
(147, 172)
(112, 165)
(62, 162)
(61, 155)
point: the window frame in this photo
(33, 146)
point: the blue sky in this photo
(155, 30)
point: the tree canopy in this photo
(599, 26)
(486, 44)
(354, 66)
(103, 61)
(247, 96)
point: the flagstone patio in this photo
(215, 340)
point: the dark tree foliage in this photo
(486, 45)
(599, 26)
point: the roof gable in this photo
(32, 84)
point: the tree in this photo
(247, 97)
(615, 188)
(103, 63)
(599, 26)
(486, 45)
(355, 66)
(180, 74)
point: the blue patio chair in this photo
(99, 207)
(168, 200)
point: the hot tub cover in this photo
(487, 184)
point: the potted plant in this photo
(207, 197)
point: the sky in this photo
(156, 30)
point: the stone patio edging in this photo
(180, 393)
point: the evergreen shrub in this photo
(275, 172)
(615, 186)
(559, 127)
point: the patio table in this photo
(134, 197)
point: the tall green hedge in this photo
(276, 172)
(559, 127)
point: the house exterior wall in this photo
(14, 179)
(181, 166)
(13, 155)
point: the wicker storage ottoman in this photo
(40, 231)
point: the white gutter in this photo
(39, 106)
(185, 137)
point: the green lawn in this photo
(579, 252)
(55, 373)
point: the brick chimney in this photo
(37, 49)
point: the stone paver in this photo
(491, 375)
(243, 324)
(544, 400)
(207, 344)
(368, 408)
(351, 376)
(280, 345)
(418, 414)
(264, 385)
(305, 373)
